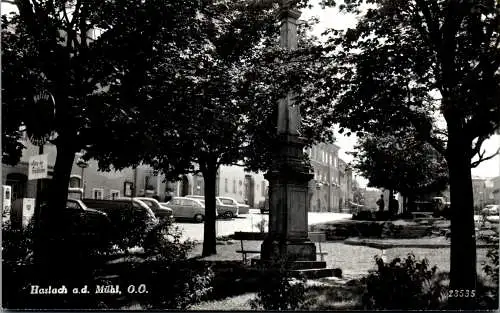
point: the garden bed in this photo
(401, 229)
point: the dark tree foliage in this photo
(216, 104)
(77, 51)
(399, 162)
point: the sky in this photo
(331, 17)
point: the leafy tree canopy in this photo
(219, 98)
(418, 63)
(424, 63)
(400, 162)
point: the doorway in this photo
(249, 190)
(185, 186)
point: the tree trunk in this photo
(390, 204)
(463, 240)
(50, 251)
(209, 171)
(60, 181)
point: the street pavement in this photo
(247, 223)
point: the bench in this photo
(421, 214)
(241, 236)
(244, 252)
(316, 237)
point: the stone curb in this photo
(389, 245)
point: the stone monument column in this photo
(289, 177)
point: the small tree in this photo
(400, 162)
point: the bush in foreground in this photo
(405, 284)
(172, 280)
(278, 290)
(175, 282)
(17, 264)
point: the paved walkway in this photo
(248, 222)
(353, 260)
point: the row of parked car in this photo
(95, 220)
(193, 207)
(190, 207)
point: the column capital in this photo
(287, 12)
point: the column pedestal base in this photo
(289, 249)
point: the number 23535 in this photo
(461, 293)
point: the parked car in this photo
(491, 209)
(120, 210)
(493, 219)
(134, 222)
(242, 208)
(228, 206)
(224, 209)
(160, 211)
(187, 208)
(89, 225)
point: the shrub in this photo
(173, 280)
(490, 267)
(17, 262)
(363, 216)
(487, 287)
(262, 225)
(278, 290)
(405, 284)
(131, 228)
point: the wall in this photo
(479, 192)
(496, 189)
(232, 184)
(26, 188)
(332, 187)
(105, 181)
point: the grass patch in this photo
(235, 303)
(336, 296)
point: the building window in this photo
(263, 188)
(240, 183)
(234, 185)
(114, 194)
(97, 193)
(225, 185)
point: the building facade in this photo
(332, 184)
(480, 192)
(331, 188)
(495, 190)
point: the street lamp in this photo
(83, 165)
